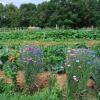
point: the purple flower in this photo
(31, 54)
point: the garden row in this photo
(51, 34)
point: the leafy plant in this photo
(81, 45)
(10, 68)
(54, 57)
(3, 54)
(1, 85)
(96, 48)
(31, 61)
(5, 88)
(80, 65)
(51, 34)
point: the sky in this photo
(19, 2)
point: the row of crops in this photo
(79, 63)
(46, 56)
(51, 34)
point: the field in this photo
(49, 64)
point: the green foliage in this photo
(34, 59)
(51, 81)
(54, 94)
(27, 13)
(51, 34)
(1, 85)
(3, 51)
(31, 61)
(54, 57)
(3, 54)
(96, 48)
(9, 16)
(64, 13)
(10, 68)
(81, 45)
(5, 88)
(97, 78)
(79, 69)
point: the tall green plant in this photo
(31, 61)
(79, 68)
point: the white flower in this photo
(35, 61)
(72, 54)
(77, 61)
(61, 67)
(79, 67)
(69, 51)
(69, 65)
(65, 63)
(75, 79)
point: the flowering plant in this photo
(31, 60)
(80, 65)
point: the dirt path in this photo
(46, 43)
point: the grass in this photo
(69, 42)
(45, 94)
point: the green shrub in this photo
(54, 57)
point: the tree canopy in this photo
(63, 13)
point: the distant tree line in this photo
(61, 13)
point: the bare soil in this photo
(41, 79)
(7, 80)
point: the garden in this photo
(36, 71)
(50, 50)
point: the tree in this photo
(1, 14)
(63, 13)
(43, 14)
(27, 14)
(11, 15)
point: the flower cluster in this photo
(31, 59)
(73, 55)
(31, 54)
(75, 78)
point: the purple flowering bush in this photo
(31, 61)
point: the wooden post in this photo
(56, 26)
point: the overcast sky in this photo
(18, 2)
